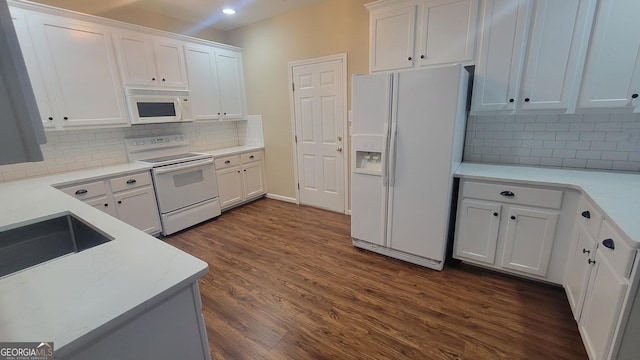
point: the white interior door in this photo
(319, 114)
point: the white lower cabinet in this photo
(130, 198)
(579, 269)
(240, 178)
(509, 228)
(601, 312)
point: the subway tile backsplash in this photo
(593, 141)
(70, 150)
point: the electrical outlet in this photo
(633, 136)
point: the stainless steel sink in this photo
(29, 245)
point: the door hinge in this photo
(296, 138)
(298, 186)
(293, 87)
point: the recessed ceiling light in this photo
(229, 11)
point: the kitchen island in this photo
(132, 297)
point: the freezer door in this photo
(368, 208)
(429, 114)
(371, 104)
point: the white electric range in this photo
(185, 182)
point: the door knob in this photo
(339, 149)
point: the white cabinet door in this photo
(447, 31)
(78, 64)
(203, 82)
(230, 187)
(43, 101)
(104, 204)
(231, 84)
(557, 34)
(501, 53)
(579, 268)
(602, 306)
(477, 230)
(139, 209)
(136, 59)
(529, 240)
(169, 56)
(148, 61)
(392, 38)
(612, 73)
(253, 179)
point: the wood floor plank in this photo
(285, 282)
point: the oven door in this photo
(184, 184)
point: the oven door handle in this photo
(159, 171)
(179, 108)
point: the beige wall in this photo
(125, 11)
(328, 28)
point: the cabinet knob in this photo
(586, 214)
(495, 214)
(512, 100)
(81, 192)
(105, 205)
(227, 161)
(507, 194)
(164, 80)
(245, 170)
(527, 99)
(66, 118)
(224, 113)
(131, 181)
(585, 251)
(50, 118)
(609, 244)
(634, 96)
(119, 201)
(513, 217)
(591, 261)
(421, 56)
(410, 58)
(153, 79)
(218, 113)
(251, 156)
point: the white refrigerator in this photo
(407, 138)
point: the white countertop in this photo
(617, 194)
(66, 298)
(232, 150)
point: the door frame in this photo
(346, 148)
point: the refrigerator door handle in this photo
(385, 170)
(392, 154)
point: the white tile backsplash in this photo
(70, 150)
(594, 141)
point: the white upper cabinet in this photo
(149, 61)
(612, 72)
(531, 55)
(216, 83)
(231, 84)
(392, 38)
(421, 33)
(203, 82)
(76, 78)
(501, 49)
(447, 31)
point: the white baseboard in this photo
(282, 198)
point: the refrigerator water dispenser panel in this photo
(369, 161)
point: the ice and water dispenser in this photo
(368, 156)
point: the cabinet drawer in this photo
(622, 255)
(589, 216)
(509, 194)
(226, 162)
(130, 181)
(251, 156)
(86, 191)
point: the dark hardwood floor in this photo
(284, 282)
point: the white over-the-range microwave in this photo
(151, 106)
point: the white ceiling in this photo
(208, 13)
